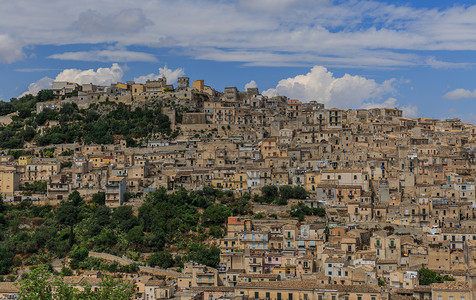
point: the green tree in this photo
(102, 215)
(76, 198)
(281, 201)
(163, 259)
(269, 191)
(124, 218)
(299, 193)
(286, 192)
(203, 254)
(45, 95)
(37, 285)
(6, 260)
(428, 277)
(41, 284)
(99, 198)
(216, 214)
(6, 108)
(68, 215)
(135, 235)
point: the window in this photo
(290, 296)
(268, 295)
(359, 297)
(279, 296)
(256, 295)
(450, 297)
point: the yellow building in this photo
(450, 290)
(121, 85)
(199, 84)
(312, 180)
(218, 183)
(100, 161)
(24, 160)
(269, 148)
(239, 181)
(138, 89)
(306, 290)
(9, 182)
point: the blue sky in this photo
(415, 55)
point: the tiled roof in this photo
(309, 285)
(8, 287)
(451, 285)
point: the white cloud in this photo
(106, 56)
(125, 21)
(348, 91)
(171, 75)
(410, 111)
(10, 49)
(102, 76)
(469, 118)
(251, 84)
(458, 94)
(390, 102)
(380, 34)
(42, 84)
(438, 64)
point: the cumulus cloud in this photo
(106, 56)
(10, 49)
(170, 74)
(410, 111)
(125, 21)
(458, 94)
(390, 102)
(251, 84)
(348, 91)
(101, 76)
(42, 84)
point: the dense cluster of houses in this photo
(399, 193)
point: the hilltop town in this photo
(236, 195)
